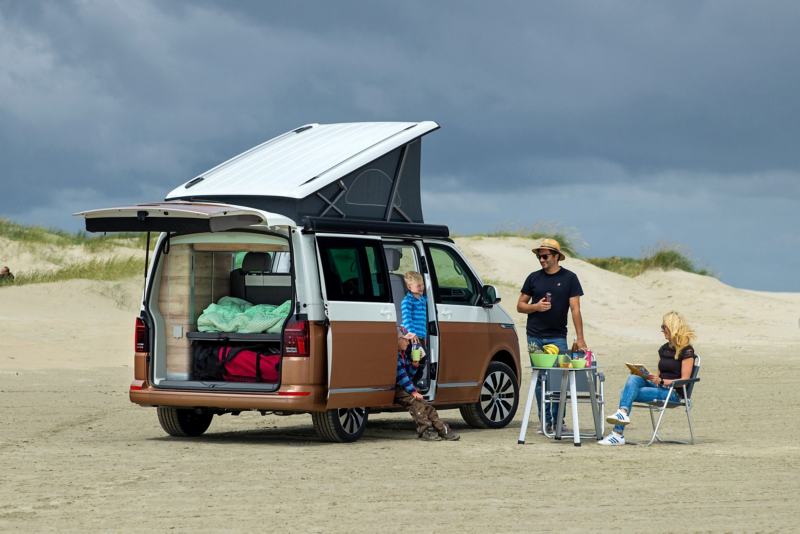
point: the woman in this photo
(676, 359)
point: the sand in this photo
(76, 455)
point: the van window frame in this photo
(467, 270)
(324, 241)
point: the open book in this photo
(638, 369)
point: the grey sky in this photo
(629, 121)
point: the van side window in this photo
(354, 269)
(453, 281)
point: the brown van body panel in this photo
(499, 340)
(140, 365)
(464, 348)
(365, 357)
(288, 398)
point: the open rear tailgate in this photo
(178, 217)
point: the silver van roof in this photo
(303, 161)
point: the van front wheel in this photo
(184, 423)
(498, 401)
(341, 425)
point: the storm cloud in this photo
(650, 120)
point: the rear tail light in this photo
(295, 339)
(141, 336)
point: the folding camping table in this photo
(567, 373)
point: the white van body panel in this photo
(301, 162)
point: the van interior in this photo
(237, 272)
(401, 258)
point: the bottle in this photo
(575, 350)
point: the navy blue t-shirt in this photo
(563, 285)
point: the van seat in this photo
(397, 281)
(255, 284)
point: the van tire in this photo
(497, 408)
(341, 425)
(184, 423)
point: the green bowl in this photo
(543, 360)
(578, 364)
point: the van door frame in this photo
(423, 268)
(353, 386)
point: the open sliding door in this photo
(362, 336)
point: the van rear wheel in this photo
(184, 423)
(341, 425)
(498, 401)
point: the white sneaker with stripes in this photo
(618, 418)
(612, 439)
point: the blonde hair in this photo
(412, 277)
(681, 334)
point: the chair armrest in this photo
(679, 383)
(601, 376)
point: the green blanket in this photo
(239, 316)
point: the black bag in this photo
(236, 363)
(207, 366)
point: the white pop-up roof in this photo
(301, 162)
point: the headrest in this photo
(259, 262)
(393, 258)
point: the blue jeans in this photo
(551, 410)
(637, 389)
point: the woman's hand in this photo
(653, 378)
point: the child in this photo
(414, 308)
(429, 426)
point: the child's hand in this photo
(415, 364)
(417, 396)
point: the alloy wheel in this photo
(497, 396)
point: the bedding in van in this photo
(234, 315)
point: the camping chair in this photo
(687, 386)
(551, 391)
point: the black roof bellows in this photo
(360, 226)
(302, 129)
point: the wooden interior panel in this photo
(203, 263)
(179, 286)
(180, 353)
(222, 275)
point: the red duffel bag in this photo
(249, 364)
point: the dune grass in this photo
(112, 269)
(663, 256)
(47, 235)
(568, 238)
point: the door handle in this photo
(446, 312)
(386, 312)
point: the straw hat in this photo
(550, 244)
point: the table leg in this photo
(528, 405)
(573, 393)
(562, 398)
(595, 409)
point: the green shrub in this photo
(47, 235)
(115, 268)
(663, 256)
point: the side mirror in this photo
(489, 296)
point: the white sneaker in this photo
(618, 418)
(612, 439)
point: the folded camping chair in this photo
(658, 406)
(551, 392)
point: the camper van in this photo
(293, 253)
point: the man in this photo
(547, 321)
(5, 276)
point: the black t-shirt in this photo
(669, 368)
(562, 285)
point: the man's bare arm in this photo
(524, 306)
(577, 320)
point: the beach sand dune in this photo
(76, 455)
